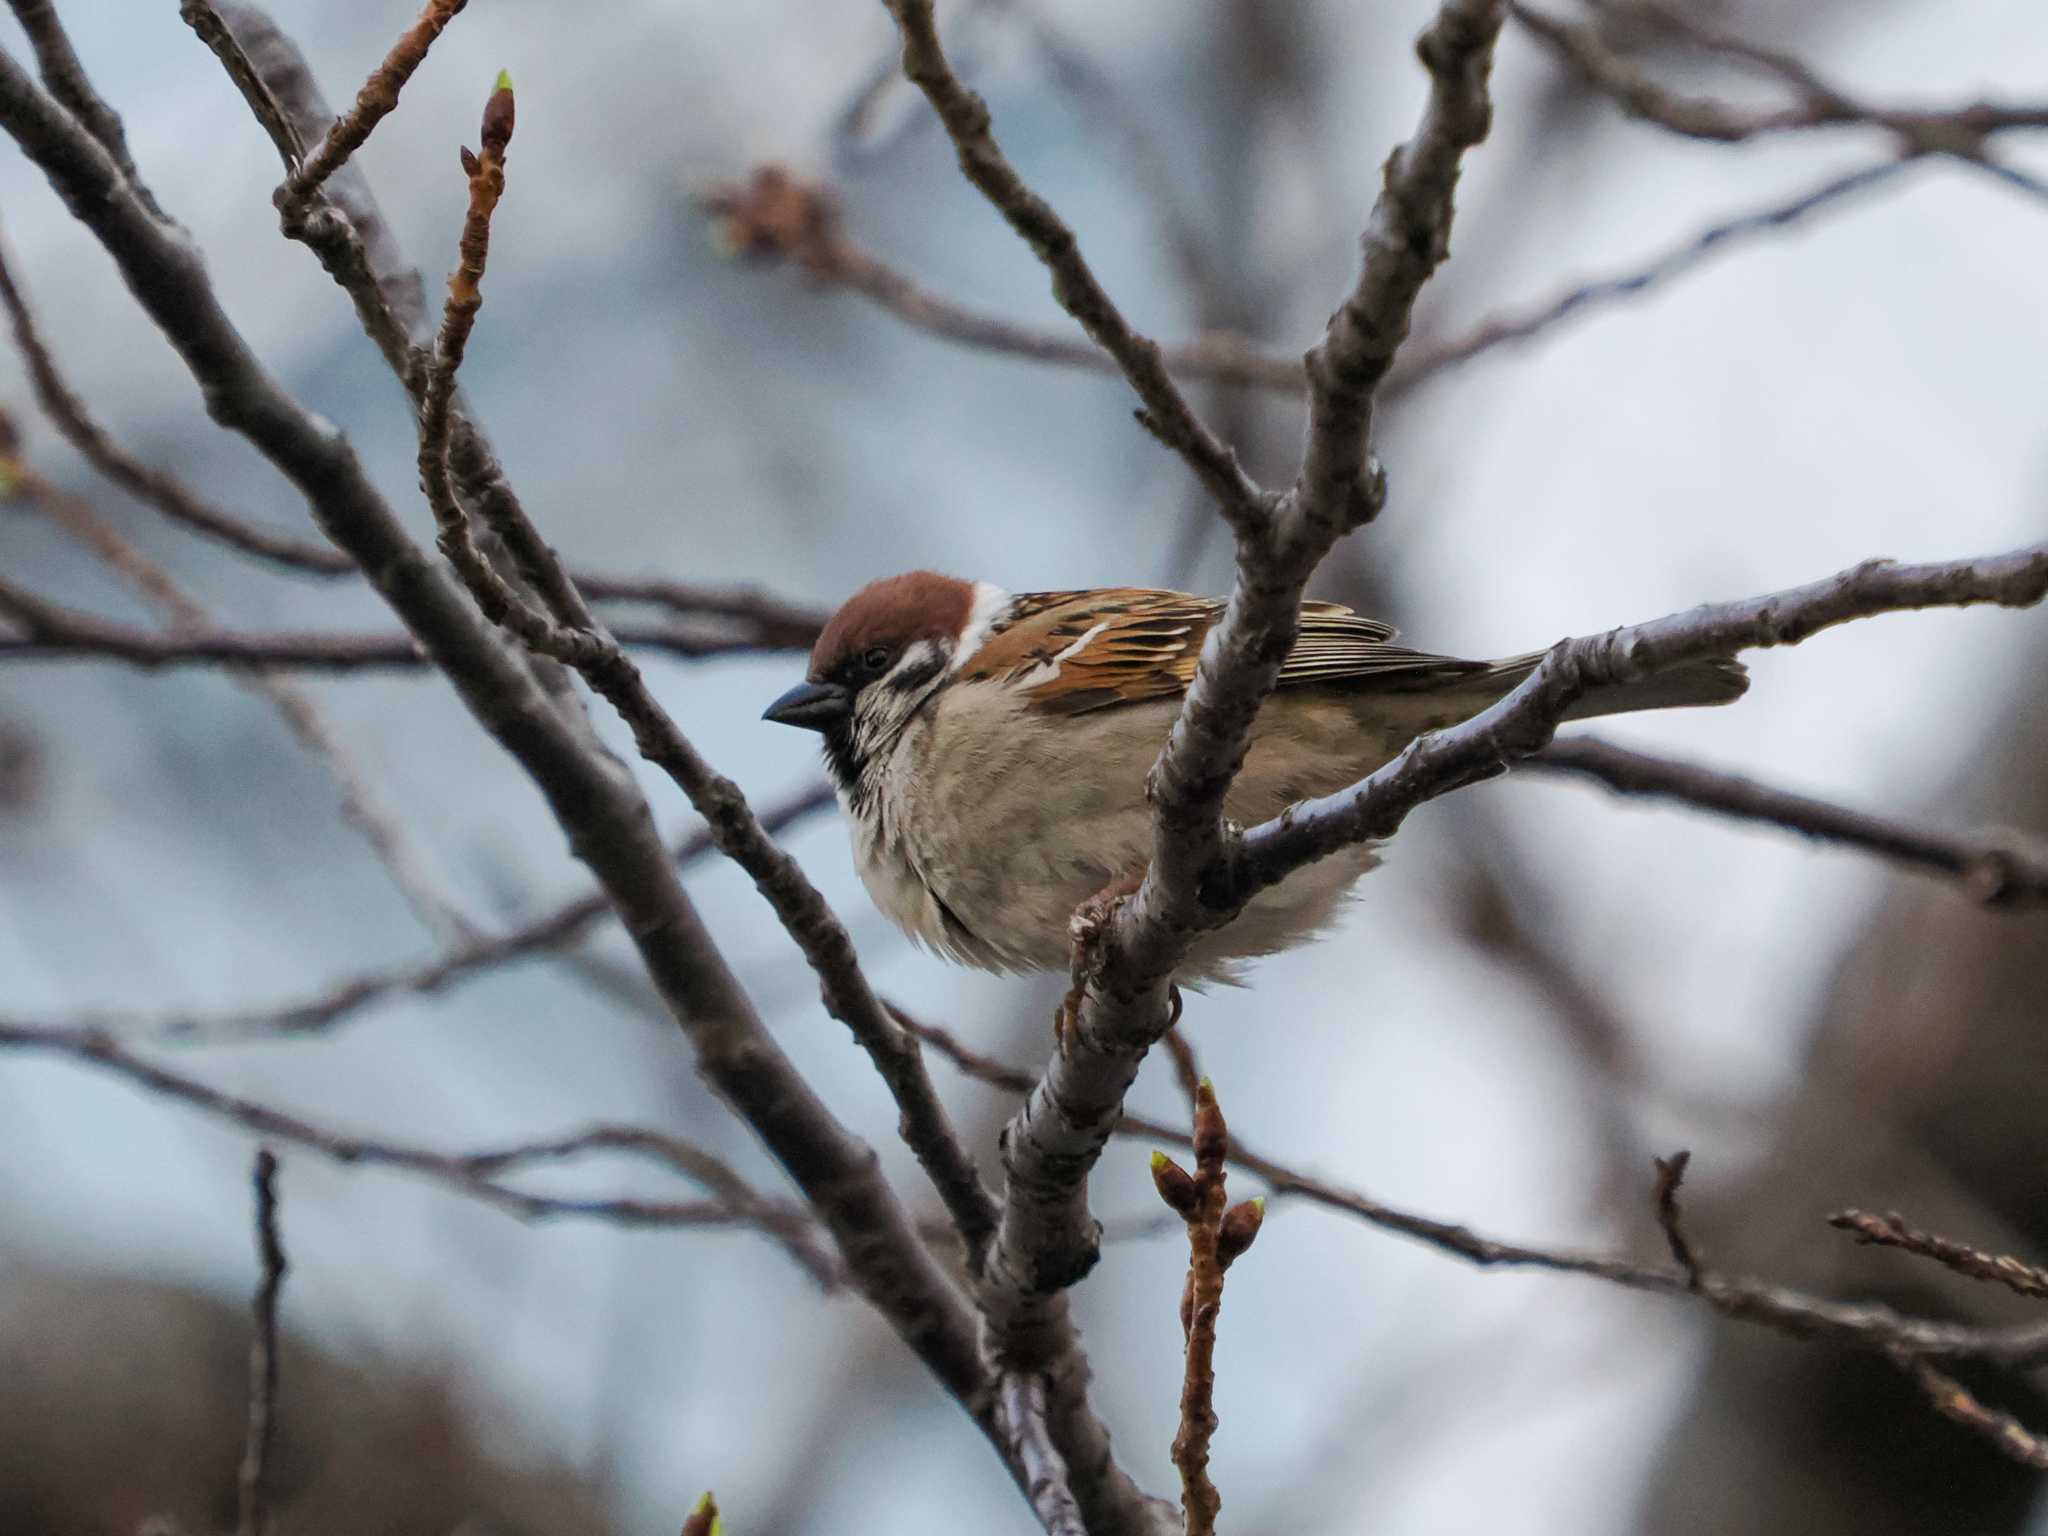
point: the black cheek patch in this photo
(912, 678)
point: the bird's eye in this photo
(875, 658)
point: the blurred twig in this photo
(1959, 130)
(1890, 1231)
(773, 215)
(253, 1482)
(564, 631)
(47, 631)
(2003, 870)
(361, 807)
(562, 925)
(1952, 1400)
(1779, 1308)
(478, 1174)
(746, 619)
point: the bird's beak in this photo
(813, 706)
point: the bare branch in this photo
(746, 619)
(1952, 1400)
(1779, 1308)
(1217, 1237)
(1962, 131)
(561, 926)
(1890, 1231)
(469, 1174)
(1522, 723)
(570, 635)
(773, 215)
(374, 102)
(1021, 1410)
(253, 1481)
(1166, 414)
(207, 25)
(608, 823)
(1047, 1239)
(2003, 870)
(64, 77)
(49, 632)
(1418, 366)
(1671, 1221)
(361, 807)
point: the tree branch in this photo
(49, 632)
(1961, 131)
(1166, 413)
(1047, 1239)
(64, 77)
(608, 823)
(374, 102)
(556, 928)
(1781, 1309)
(570, 635)
(361, 806)
(253, 1481)
(2002, 870)
(1522, 723)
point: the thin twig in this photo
(560, 926)
(375, 101)
(742, 619)
(253, 1482)
(607, 821)
(46, 631)
(1218, 1235)
(1959, 130)
(774, 215)
(1166, 413)
(1671, 1220)
(925, 1125)
(1424, 363)
(207, 25)
(1890, 1231)
(472, 1174)
(1952, 1400)
(361, 806)
(1779, 1308)
(65, 77)
(2002, 870)
(1047, 1239)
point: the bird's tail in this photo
(1721, 680)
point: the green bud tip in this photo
(504, 81)
(1158, 1161)
(1259, 1204)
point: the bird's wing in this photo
(1072, 652)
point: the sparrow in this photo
(990, 751)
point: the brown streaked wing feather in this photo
(1148, 643)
